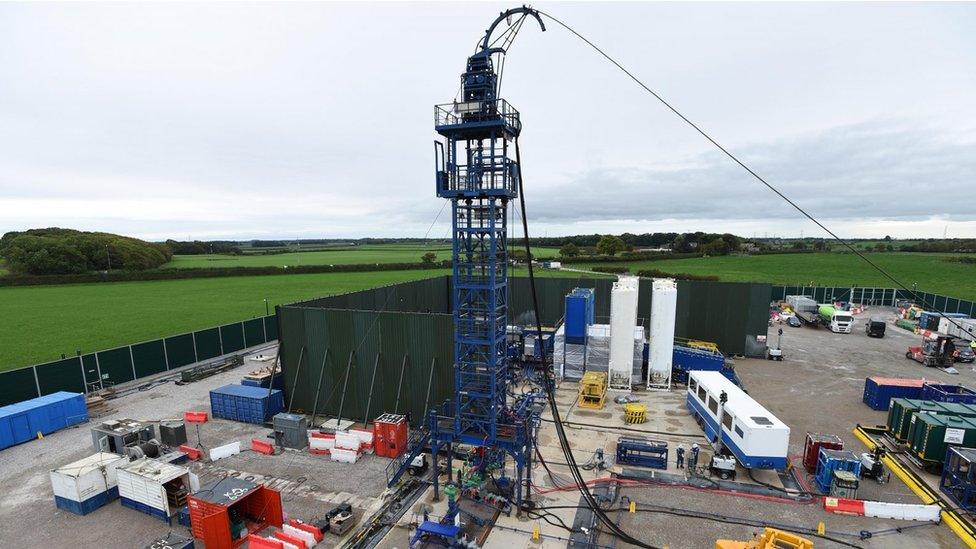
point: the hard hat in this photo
(695, 445)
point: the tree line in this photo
(67, 251)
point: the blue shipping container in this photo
(941, 392)
(579, 314)
(246, 404)
(878, 391)
(279, 382)
(90, 504)
(22, 421)
(687, 359)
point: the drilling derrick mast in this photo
(476, 170)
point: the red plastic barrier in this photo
(191, 452)
(262, 447)
(844, 506)
(294, 540)
(316, 434)
(195, 417)
(255, 541)
(295, 523)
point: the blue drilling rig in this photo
(476, 170)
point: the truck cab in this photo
(839, 321)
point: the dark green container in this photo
(903, 415)
(936, 432)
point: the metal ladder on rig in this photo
(415, 446)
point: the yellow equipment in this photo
(635, 412)
(593, 390)
(771, 538)
(703, 345)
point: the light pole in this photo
(266, 311)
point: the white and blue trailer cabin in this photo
(757, 438)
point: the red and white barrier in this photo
(306, 537)
(348, 441)
(880, 509)
(320, 443)
(365, 438)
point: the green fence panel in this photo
(116, 366)
(207, 343)
(253, 332)
(271, 327)
(388, 336)
(61, 375)
(92, 376)
(179, 350)
(149, 358)
(17, 385)
(232, 338)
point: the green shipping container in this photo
(910, 409)
(936, 432)
(949, 409)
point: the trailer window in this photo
(712, 405)
(692, 385)
(701, 393)
(727, 421)
(739, 432)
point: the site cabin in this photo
(757, 438)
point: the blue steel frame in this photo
(959, 477)
(476, 170)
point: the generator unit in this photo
(290, 430)
(642, 452)
(118, 434)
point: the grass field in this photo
(366, 254)
(930, 271)
(41, 322)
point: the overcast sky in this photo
(315, 120)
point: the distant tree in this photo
(880, 247)
(569, 250)
(610, 245)
(67, 251)
(820, 246)
(519, 255)
(887, 238)
(428, 258)
(732, 241)
(716, 247)
(799, 245)
(890, 248)
(680, 244)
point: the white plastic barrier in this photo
(902, 511)
(365, 436)
(347, 441)
(309, 539)
(344, 456)
(226, 450)
(321, 443)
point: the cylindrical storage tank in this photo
(664, 305)
(623, 319)
(87, 484)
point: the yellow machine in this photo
(593, 390)
(771, 538)
(635, 412)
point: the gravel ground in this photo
(310, 485)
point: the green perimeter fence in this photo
(878, 296)
(88, 372)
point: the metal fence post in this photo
(132, 361)
(193, 338)
(165, 354)
(98, 368)
(220, 337)
(37, 383)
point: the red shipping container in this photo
(210, 507)
(812, 446)
(391, 432)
